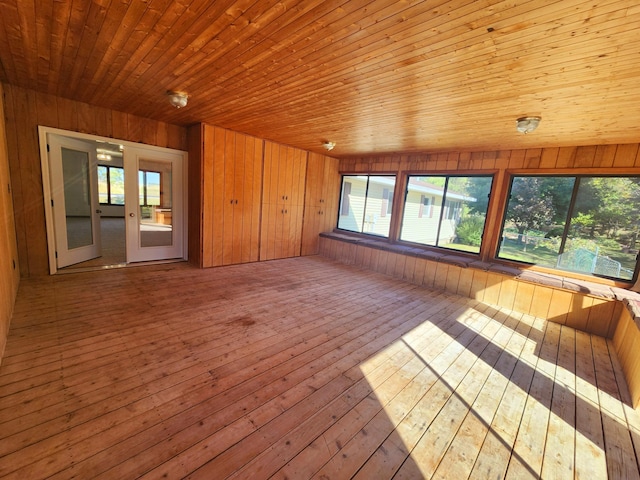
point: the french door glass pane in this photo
(154, 186)
(77, 197)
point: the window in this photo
(149, 187)
(110, 185)
(585, 224)
(446, 211)
(365, 206)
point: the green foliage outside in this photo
(605, 219)
(469, 230)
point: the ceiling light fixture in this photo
(527, 124)
(328, 146)
(178, 99)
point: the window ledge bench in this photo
(602, 310)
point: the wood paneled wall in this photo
(9, 272)
(24, 111)
(252, 199)
(626, 342)
(579, 310)
(600, 159)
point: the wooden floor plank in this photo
(465, 447)
(530, 441)
(621, 459)
(590, 460)
(299, 368)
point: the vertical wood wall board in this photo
(9, 261)
(24, 111)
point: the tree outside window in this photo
(585, 224)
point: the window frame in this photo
(578, 176)
(427, 211)
(385, 205)
(109, 196)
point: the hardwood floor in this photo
(299, 368)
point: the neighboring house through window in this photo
(366, 204)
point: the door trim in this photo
(46, 182)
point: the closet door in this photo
(231, 195)
(283, 201)
(242, 180)
(321, 200)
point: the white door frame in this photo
(46, 181)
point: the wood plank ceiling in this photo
(375, 76)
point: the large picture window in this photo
(365, 204)
(585, 224)
(446, 211)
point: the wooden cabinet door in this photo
(283, 201)
(321, 200)
(231, 194)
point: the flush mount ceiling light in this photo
(527, 124)
(178, 99)
(328, 146)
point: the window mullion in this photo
(442, 208)
(109, 185)
(366, 197)
(567, 223)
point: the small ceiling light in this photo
(527, 124)
(328, 146)
(178, 99)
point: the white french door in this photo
(74, 199)
(153, 204)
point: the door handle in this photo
(132, 214)
(98, 211)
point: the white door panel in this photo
(74, 194)
(153, 205)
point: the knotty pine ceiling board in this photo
(375, 76)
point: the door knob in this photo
(132, 214)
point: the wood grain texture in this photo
(283, 201)
(626, 341)
(595, 315)
(25, 110)
(299, 368)
(373, 75)
(9, 266)
(322, 187)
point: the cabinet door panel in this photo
(253, 197)
(231, 169)
(294, 235)
(214, 224)
(269, 230)
(320, 214)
